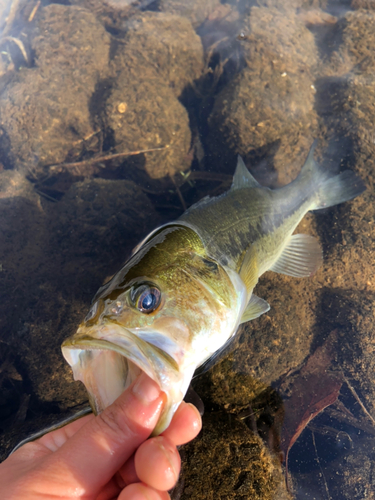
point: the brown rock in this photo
(153, 118)
(194, 10)
(53, 259)
(228, 461)
(162, 44)
(45, 111)
(272, 100)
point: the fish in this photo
(179, 300)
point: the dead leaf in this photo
(309, 391)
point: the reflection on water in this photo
(87, 89)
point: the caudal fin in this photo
(329, 190)
(340, 188)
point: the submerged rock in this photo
(161, 44)
(45, 110)
(142, 114)
(194, 10)
(272, 99)
(54, 257)
(228, 461)
(159, 57)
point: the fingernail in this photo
(145, 389)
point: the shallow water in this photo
(117, 116)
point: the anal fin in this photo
(255, 308)
(300, 258)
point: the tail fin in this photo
(340, 188)
(330, 190)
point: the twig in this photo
(34, 11)
(357, 398)
(105, 158)
(11, 17)
(179, 193)
(45, 195)
(320, 467)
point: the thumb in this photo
(95, 453)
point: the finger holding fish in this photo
(158, 453)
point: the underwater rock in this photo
(54, 258)
(144, 114)
(161, 44)
(108, 10)
(23, 236)
(280, 4)
(353, 108)
(71, 39)
(227, 387)
(159, 57)
(272, 99)
(100, 219)
(194, 10)
(45, 110)
(351, 115)
(357, 36)
(363, 4)
(229, 461)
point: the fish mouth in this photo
(107, 359)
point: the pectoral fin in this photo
(300, 258)
(254, 309)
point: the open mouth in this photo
(109, 364)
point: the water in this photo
(199, 83)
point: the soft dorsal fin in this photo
(301, 257)
(242, 177)
(255, 308)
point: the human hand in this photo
(107, 457)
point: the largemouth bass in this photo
(180, 298)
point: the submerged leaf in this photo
(311, 391)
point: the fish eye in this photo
(147, 298)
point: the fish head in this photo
(164, 313)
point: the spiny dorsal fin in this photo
(301, 257)
(249, 269)
(242, 177)
(255, 308)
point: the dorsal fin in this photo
(242, 177)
